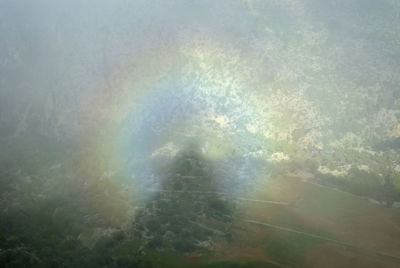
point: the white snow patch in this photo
(341, 171)
(221, 120)
(169, 150)
(251, 128)
(363, 168)
(278, 157)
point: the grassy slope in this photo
(363, 234)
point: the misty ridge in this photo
(251, 133)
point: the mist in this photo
(200, 133)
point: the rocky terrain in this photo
(143, 133)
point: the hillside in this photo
(254, 133)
